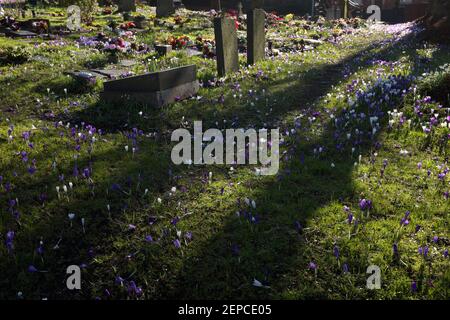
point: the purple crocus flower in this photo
(446, 253)
(298, 226)
(425, 251)
(175, 220)
(86, 173)
(312, 266)
(9, 241)
(336, 252)
(350, 218)
(345, 268)
(188, 236)
(40, 249)
(365, 204)
(32, 268)
(75, 171)
(235, 249)
(133, 289)
(119, 280)
(148, 238)
(177, 243)
(404, 221)
(414, 287)
(395, 249)
(24, 156)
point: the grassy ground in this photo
(351, 114)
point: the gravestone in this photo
(216, 5)
(141, 22)
(163, 49)
(255, 4)
(239, 7)
(126, 5)
(226, 45)
(155, 89)
(164, 8)
(256, 41)
(178, 4)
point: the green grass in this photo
(227, 251)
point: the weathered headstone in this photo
(178, 4)
(155, 89)
(163, 49)
(255, 4)
(256, 41)
(239, 7)
(141, 22)
(226, 45)
(216, 5)
(126, 5)
(164, 8)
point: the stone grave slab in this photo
(193, 52)
(164, 8)
(256, 41)
(155, 89)
(226, 45)
(111, 73)
(20, 33)
(127, 63)
(85, 75)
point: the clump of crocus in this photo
(365, 205)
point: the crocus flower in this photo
(350, 218)
(345, 268)
(119, 280)
(365, 204)
(32, 268)
(414, 287)
(336, 252)
(395, 249)
(177, 243)
(298, 226)
(175, 220)
(9, 241)
(312, 266)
